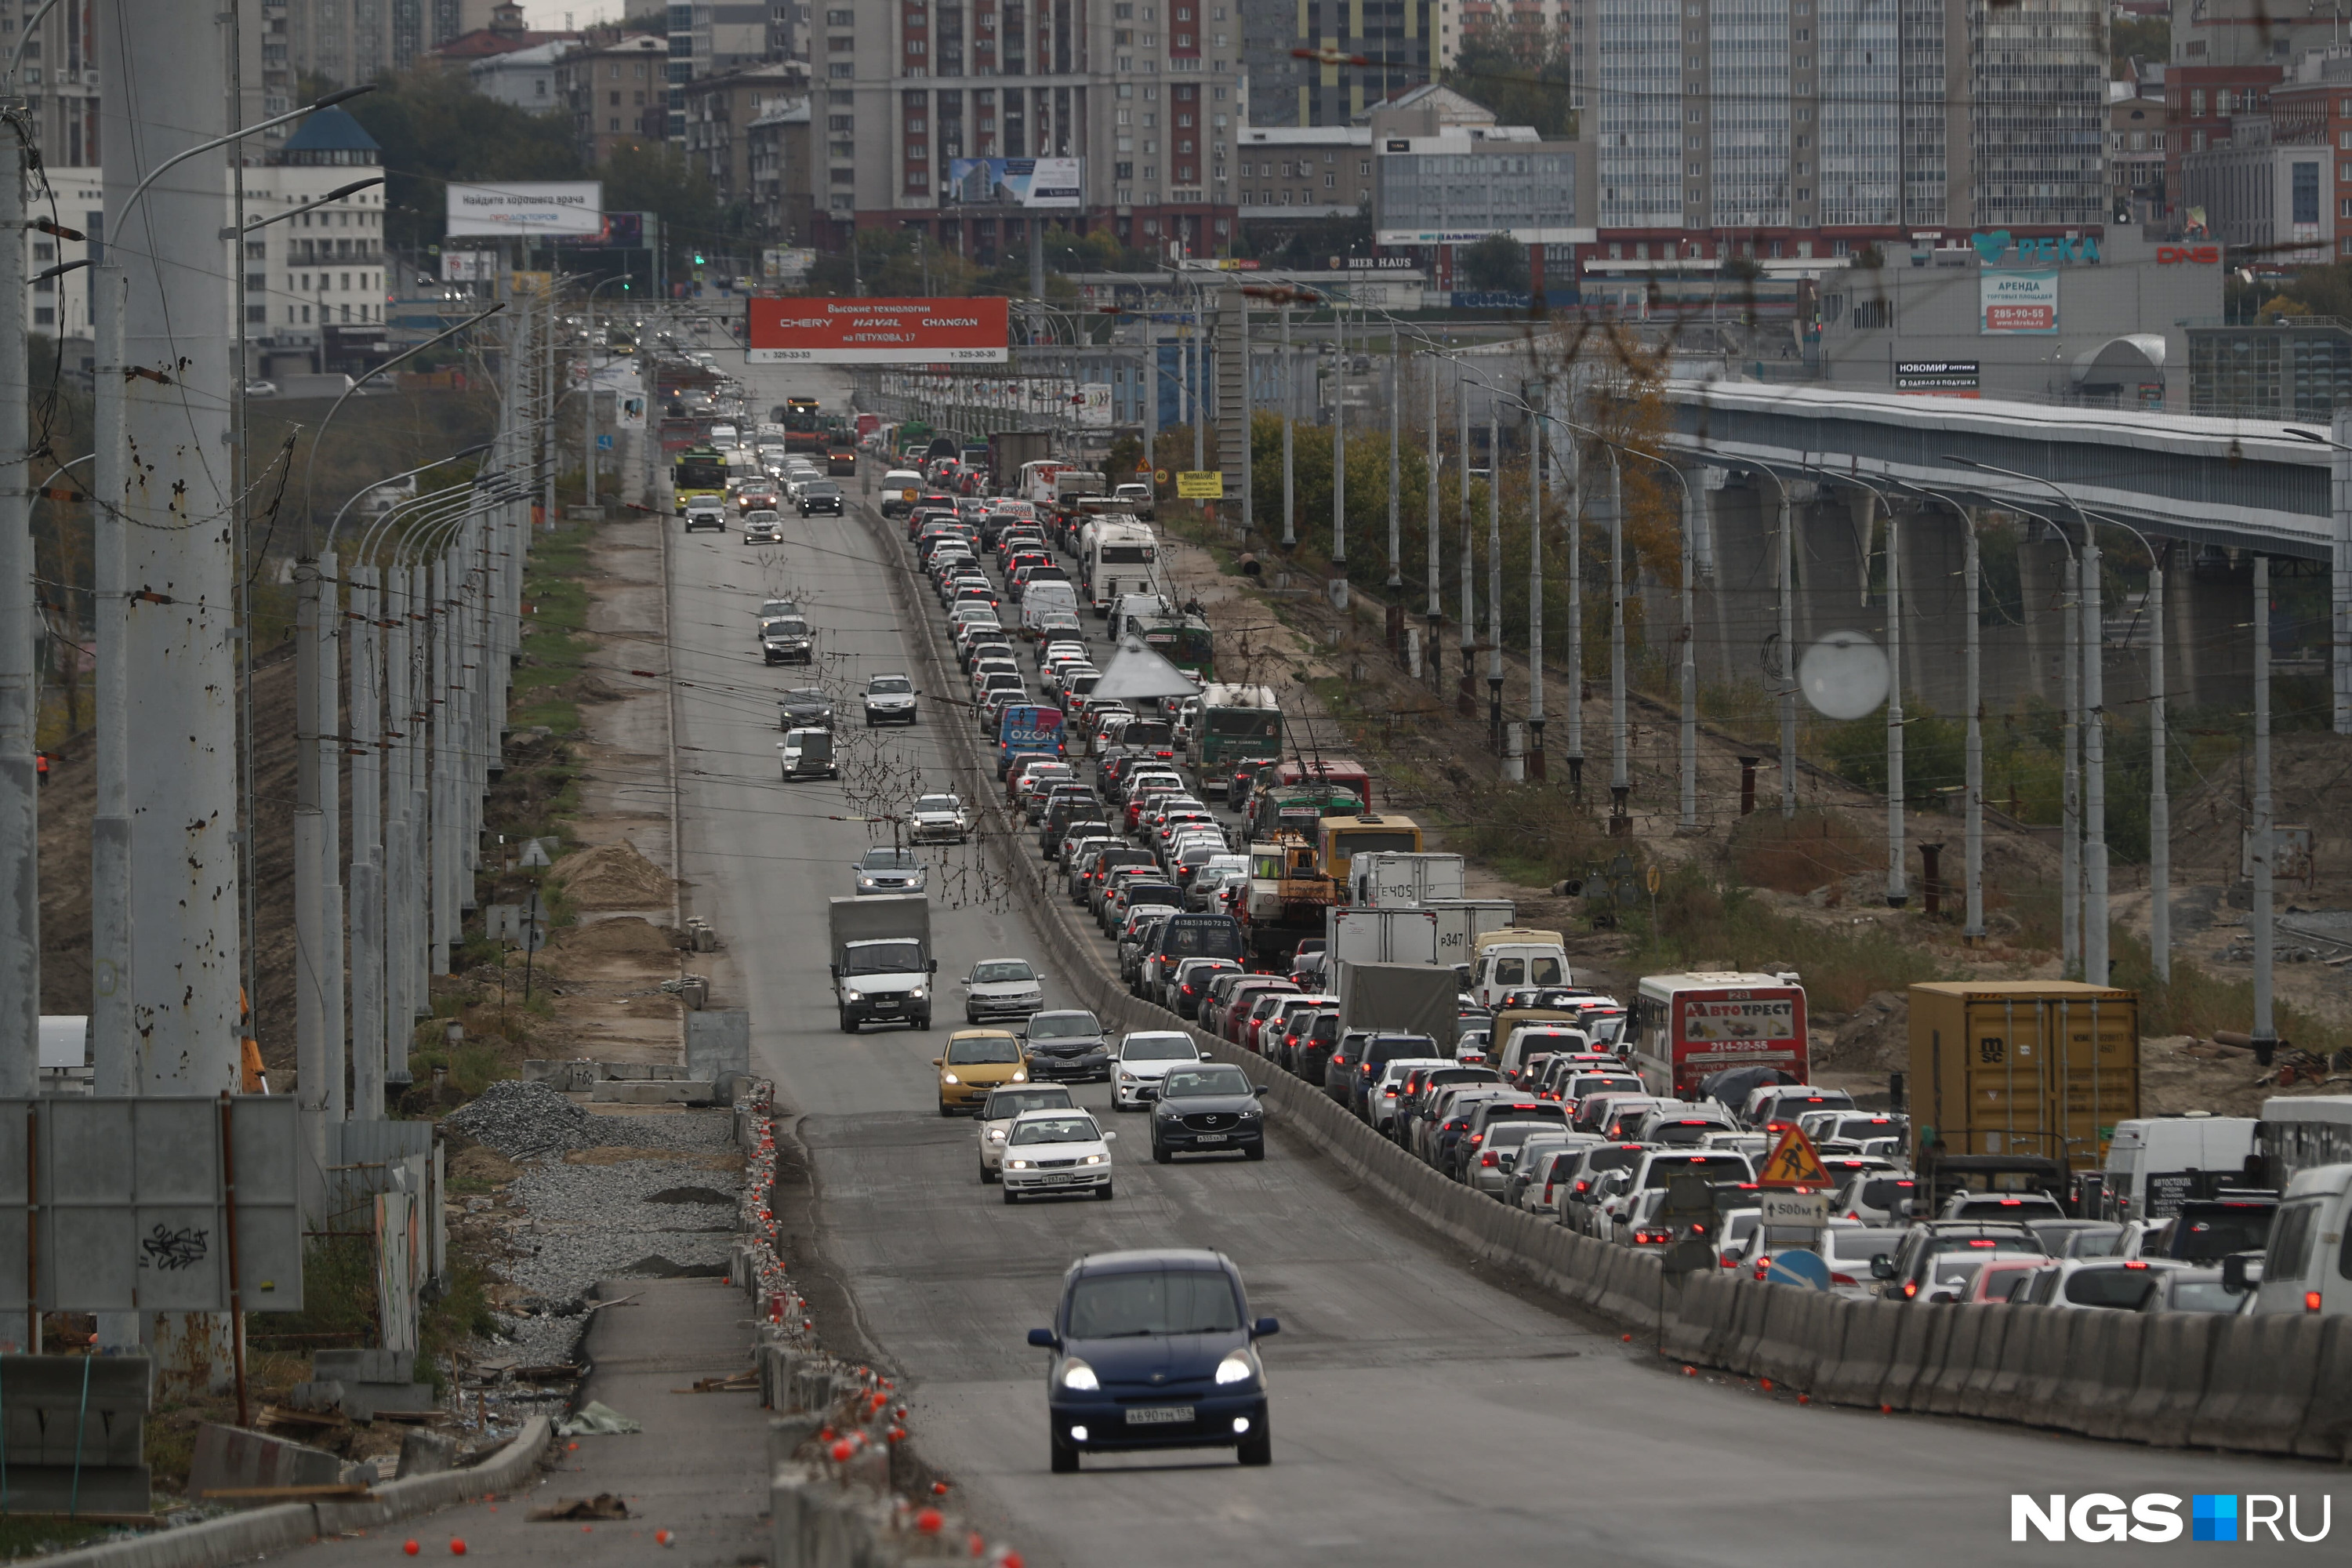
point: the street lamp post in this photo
(1535, 763)
(1785, 579)
(1468, 702)
(588, 386)
(1429, 514)
(1289, 422)
(1494, 576)
(1395, 585)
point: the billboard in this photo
(2015, 302)
(1016, 182)
(570, 209)
(470, 266)
(1093, 402)
(877, 331)
(1942, 377)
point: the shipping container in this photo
(2045, 1069)
(1384, 879)
(1462, 921)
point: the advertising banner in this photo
(1093, 404)
(2015, 300)
(877, 331)
(570, 209)
(1031, 182)
(1941, 377)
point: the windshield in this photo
(805, 695)
(883, 859)
(2126, 1289)
(885, 958)
(1006, 1103)
(945, 803)
(1158, 1049)
(1057, 1130)
(1153, 1301)
(1062, 1026)
(2201, 1236)
(890, 683)
(1003, 969)
(1204, 1081)
(980, 1050)
(2200, 1296)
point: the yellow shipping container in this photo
(2029, 1067)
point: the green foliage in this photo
(1522, 74)
(1698, 923)
(1496, 264)
(1306, 242)
(435, 128)
(659, 178)
(2144, 37)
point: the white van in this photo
(2155, 1162)
(1042, 599)
(900, 489)
(1515, 958)
(2307, 1266)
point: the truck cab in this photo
(882, 965)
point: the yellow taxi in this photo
(978, 1061)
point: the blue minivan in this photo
(1155, 1349)
(1024, 728)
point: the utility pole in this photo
(1621, 778)
(169, 810)
(1469, 558)
(2094, 763)
(1289, 419)
(2070, 840)
(366, 904)
(1436, 602)
(2265, 1032)
(20, 690)
(2159, 791)
(1339, 456)
(1898, 892)
(1573, 451)
(1534, 755)
(1972, 572)
(1249, 435)
(1495, 573)
(1395, 585)
(1787, 581)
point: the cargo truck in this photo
(882, 965)
(1008, 451)
(1461, 922)
(1387, 879)
(2040, 1069)
(1382, 936)
(1399, 998)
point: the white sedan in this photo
(1054, 1151)
(1001, 988)
(1143, 1059)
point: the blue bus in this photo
(1025, 729)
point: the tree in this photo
(1495, 265)
(435, 128)
(1520, 73)
(659, 178)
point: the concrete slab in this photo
(656, 1092)
(698, 1470)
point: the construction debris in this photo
(524, 1121)
(599, 1419)
(603, 1505)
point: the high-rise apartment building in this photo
(1797, 121)
(1400, 37)
(709, 39)
(1144, 92)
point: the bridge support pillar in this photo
(2340, 619)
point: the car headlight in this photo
(1097, 1158)
(1124, 1076)
(948, 1078)
(996, 1134)
(866, 881)
(1021, 1075)
(1238, 1367)
(1079, 1377)
(916, 993)
(1016, 1164)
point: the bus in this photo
(1339, 773)
(699, 470)
(1119, 556)
(1234, 722)
(1688, 1028)
(1342, 839)
(1183, 640)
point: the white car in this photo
(1047, 651)
(1001, 988)
(706, 511)
(1142, 1059)
(1051, 1152)
(763, 528)
(889, 700)
(1005, 1105)
(939, 819)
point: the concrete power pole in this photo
(20, 708)
(163, 852)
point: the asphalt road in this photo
(1421, 1412)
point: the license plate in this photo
(1208, 1138)
(1158, 1414)
(1061, 1178)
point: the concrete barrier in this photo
(2326, 1430)
(1974, 1381)
(1702, 1308)
(1743, 1338)
(1918, 1357)
(2258, 1385)
(2174, 1358)
(1864, 1353)
(2102, 1357)
(1973, 1328)
(1797, 1321)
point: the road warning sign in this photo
(1792, 1163)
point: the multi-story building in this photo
(708, 40)
(505, 33)
(618, 94)
(2135, 153)
(1144, 92)
(2260, 196)
(1297, 172)
(2313, 109)
(720, 110)
(1401, 39)
(778, 144)
(524, 79)
(343, 42)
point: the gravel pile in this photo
(632, 1219)
(522, 1120)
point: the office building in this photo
(1298, 172)
(1142, 92)
(709, 39)
(2136, 151)
(618, 94)
(1398, 37)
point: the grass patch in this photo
(1798, 854)
(555, 601)
(38, 1537)
(1700, 923)
(1533, 834)
(2196, 1001)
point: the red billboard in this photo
(877, 331)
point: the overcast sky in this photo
(548, 16)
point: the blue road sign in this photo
(1799, 1268)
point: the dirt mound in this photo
(622, 936)
(612, 877)
(1876, 1038)
(594, 688)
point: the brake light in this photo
(1729, 1262)
(1980, 1241)
(1837, 1278)
(2311, 1300)
(1487, 1159)
(1909, 1291)
(1477, 1138)
(2135, 1263)
(1546, 1197)
(2012, 1203)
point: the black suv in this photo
(816, 498)
(1207, 1109)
